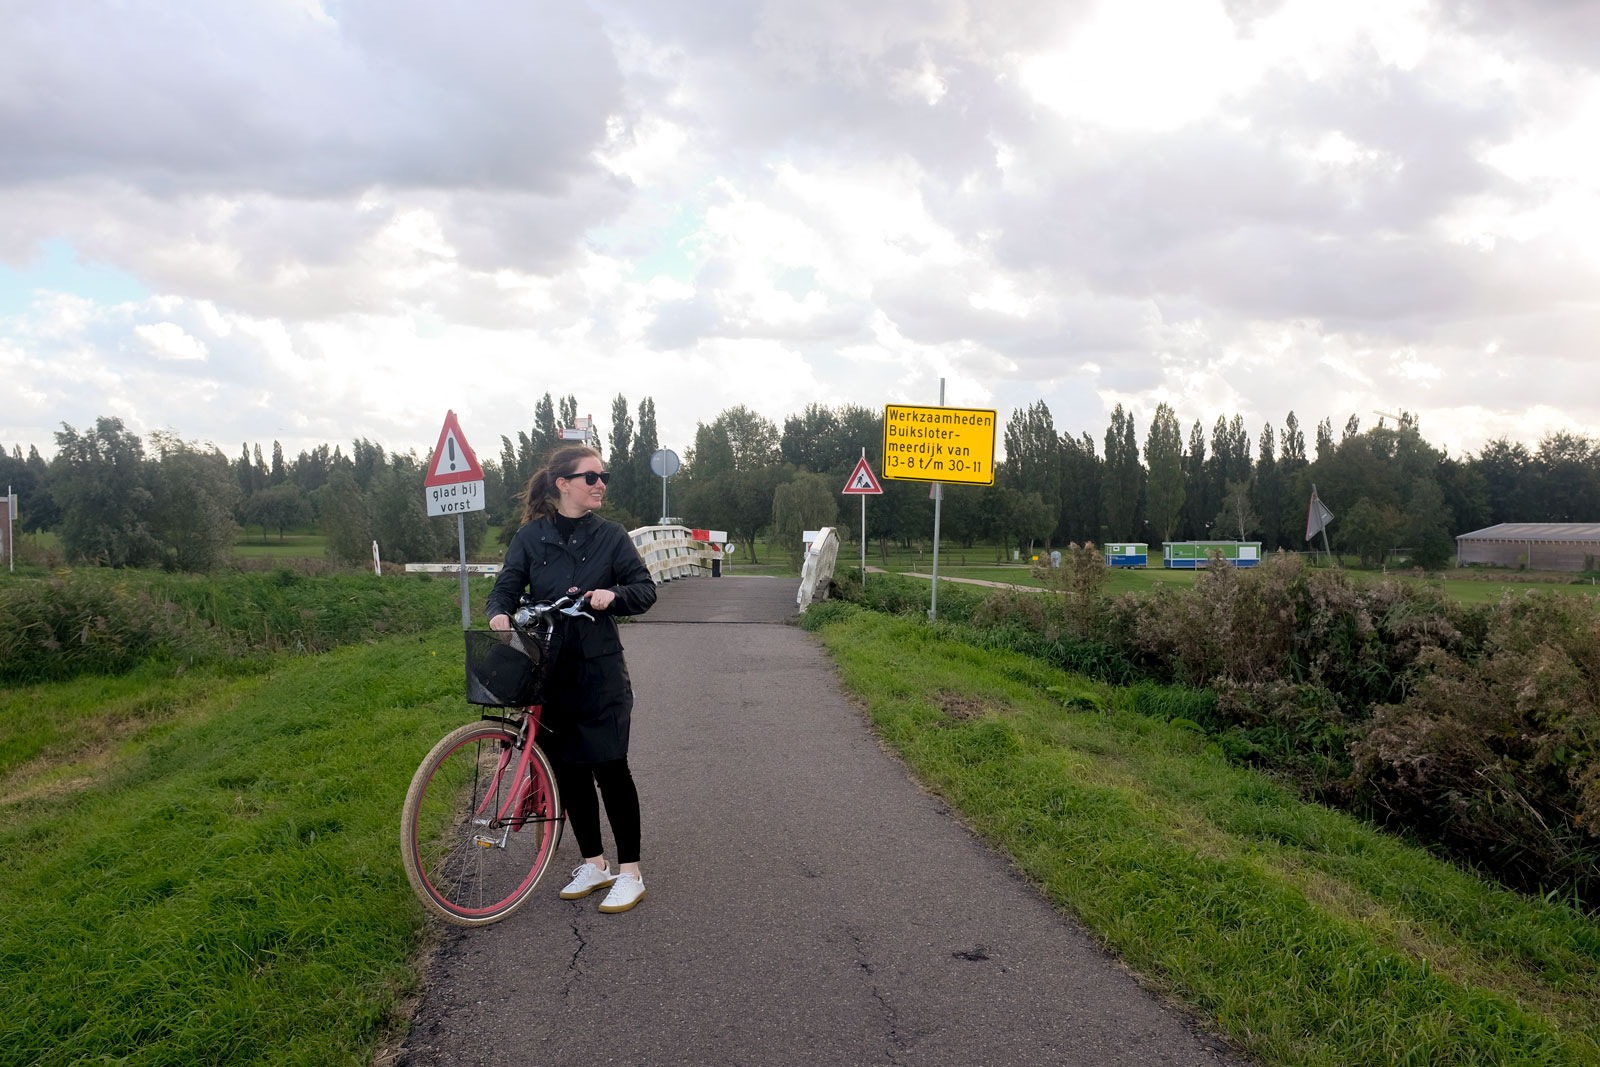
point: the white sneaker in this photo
(628, 891)
(586, 878)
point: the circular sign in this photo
(729, 549)
(664, 462)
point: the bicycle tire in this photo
(466, 864)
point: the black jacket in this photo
(589, 699)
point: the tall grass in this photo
(104, 622)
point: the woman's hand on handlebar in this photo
(501, 621)
(599, 599)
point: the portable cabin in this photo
(1128, 554)
(1192, 555)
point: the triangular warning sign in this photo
(453, 459)
(862, 481)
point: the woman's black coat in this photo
(589, 700)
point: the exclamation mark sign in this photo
(450, 444)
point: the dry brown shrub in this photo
(1079, 585)
(1497, 752)
(1009, 607)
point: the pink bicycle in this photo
(482, 818)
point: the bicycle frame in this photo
(527, 725)
(516, 801)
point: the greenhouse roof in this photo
(1536, 531)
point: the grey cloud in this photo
(1565, 29)
(680, 323)
(224, 97)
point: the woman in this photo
(563, 549)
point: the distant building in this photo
(1128, 554)
(1193, 555)
(1538, 546)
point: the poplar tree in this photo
(1163, 455)
(1033, 458)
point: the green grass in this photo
(1303, 935)
(213, 878)
(290, 546)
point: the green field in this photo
(290, 546)
(204, 870)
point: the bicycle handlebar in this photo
(546, 611)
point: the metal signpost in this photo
(938, 445)
(454, 485)
(664, 462)
(9, 502)
(862, 483)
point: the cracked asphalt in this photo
(805, 903)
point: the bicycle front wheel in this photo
(477, 833)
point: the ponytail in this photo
(541, 497)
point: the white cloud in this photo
(168, 340)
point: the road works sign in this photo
(929, 444)
(862, 481)
(455, 480)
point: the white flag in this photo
(1317, 516)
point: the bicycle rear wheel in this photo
(474, 840)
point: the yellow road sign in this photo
(929, 444)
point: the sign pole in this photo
(863, 531)
(11, 533)
(461, 539)
(938, 499)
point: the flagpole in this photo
(1320, 513)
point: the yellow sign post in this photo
(929, 444)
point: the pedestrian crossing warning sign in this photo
(862, 481)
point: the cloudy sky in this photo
(316, 220)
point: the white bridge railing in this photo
(822, 552)
(672, 551)
(668, 552)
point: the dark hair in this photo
(540, 496)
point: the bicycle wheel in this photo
(474, 839)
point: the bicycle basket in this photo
(503, 668)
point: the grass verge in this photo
(218, 883)
(1303, 935)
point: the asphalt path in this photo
(805, 903)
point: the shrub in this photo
(1496, 752)
(1477, 728)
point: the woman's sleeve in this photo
(510, 582)
(635, 590)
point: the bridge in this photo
(806, 902)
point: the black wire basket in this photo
(504, 669)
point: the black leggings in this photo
(577, 782)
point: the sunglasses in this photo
(589, 477)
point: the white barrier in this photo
(672, 552)
(668, 552)
(817, 571)
(474, 570)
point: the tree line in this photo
(115, 501)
